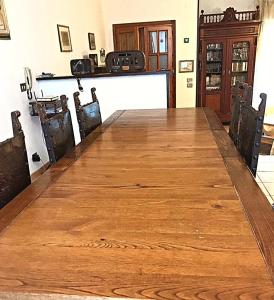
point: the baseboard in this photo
(39, 172)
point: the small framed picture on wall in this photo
(186, 66)
(64, 38)
(91, 40)
(4, 28)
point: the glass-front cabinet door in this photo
(240, 65)
(212, 74)
(214, 66)
(224, 62)
(240, 60)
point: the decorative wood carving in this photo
(230, 15)
(93, 94)
(16, 125)
(64, 103)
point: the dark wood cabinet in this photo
(227, 55)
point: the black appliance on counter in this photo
(80, 67)
(85, 66)
(125, 61)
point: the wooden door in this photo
(240, 65)
(156, 40)
(213, 75)
(158, 48)
(125, 37)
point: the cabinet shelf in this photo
(214, 49)
(241, 72)
(246, 47)
(213, 61)
(213, 88)
(213, 73)
(239, 60)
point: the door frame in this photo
(172, 23)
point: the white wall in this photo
(113, 93)
(185, 14)
(213, 6)
(34, 43)
(264, 69)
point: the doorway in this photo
(157, 41)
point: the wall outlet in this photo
(23, 87)
(36, 157)
(189, 85)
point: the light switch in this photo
(189, 82)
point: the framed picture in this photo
(186, 66)
(4, 28)
(91, 40)
(64, 38)
(94, 57)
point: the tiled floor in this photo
(265, 176)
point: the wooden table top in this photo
(157, 204)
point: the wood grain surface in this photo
(257, 208)
(146, 209)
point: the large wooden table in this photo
(156, 204)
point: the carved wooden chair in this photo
(14, 170)
(237, 99)
(250, 131)
(241, 93)
(88, 115)
(58, 130)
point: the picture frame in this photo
(94, 58)
(91, 40)
(186, 66)
(4, 27)
(64, 38)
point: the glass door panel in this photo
(163, 41)
(239, 67)
(214, 66)
(163, 61)
(158, 49)
(153, 45)
(153, 63)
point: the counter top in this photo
(98, 75)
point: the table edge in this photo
(258, 211)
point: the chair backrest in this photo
(250, 132)
(88, 115)
(14, 169)
(235, 112)
(58, 130)
(241, 93)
